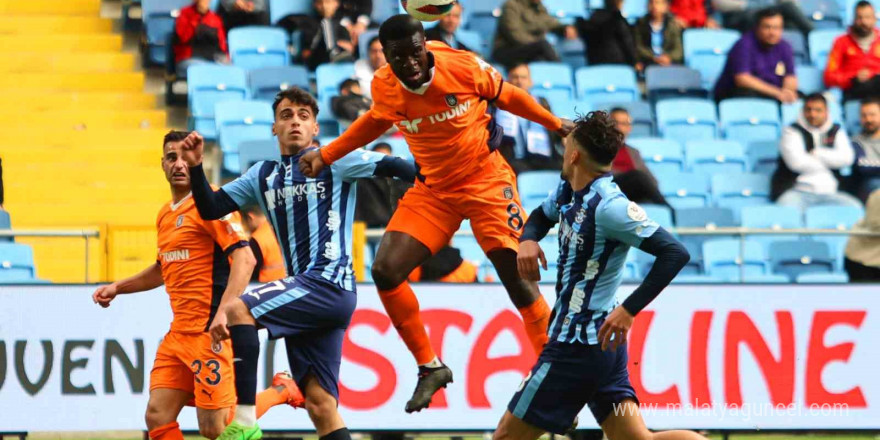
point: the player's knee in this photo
(321, 407)
(211, 430)
(157, 416)
(386, 276)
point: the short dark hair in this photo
(373, 40)
(381, 145)
(869, 101)
(863, 4)
(618, 110)
(348, 84)
(399, 27)
(174, 136)
(597, 133)
(296, 95)
(766, 13)
(816, 97)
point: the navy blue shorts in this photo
(311, 314)
(567, 377)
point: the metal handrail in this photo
(85, 234)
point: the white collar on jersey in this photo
(424, 88)
(174, 206)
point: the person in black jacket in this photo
(607, 36)
(323, 38)
(377, 198)
(446, 27)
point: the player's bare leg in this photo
(399, 254)
(525, 296)
(212, 422)
(163, 408)
(512, 428)
(322, 408)
(625, 423)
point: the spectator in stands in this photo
(350, 104)
(692, 14)
(760, 64)
(658, 37)
(607, 36)
(812, 150)
(743, 15)
(446, 27)
(862, 254)
(377, 197)
(355, 17)
(521, 34)
(527, 146)
(324, 38)
(270, 262)
(365, 68)
(237, 13)
(854, 60)
(867, 147)
(630, 173)
(198, 36)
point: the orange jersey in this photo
(272, 267)
(193, 254)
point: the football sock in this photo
(170, 431)
(270, 397)
(435, 363)
(536, 318)
(246, 353)
(402, 307)
(339, 434)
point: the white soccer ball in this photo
(427, 10)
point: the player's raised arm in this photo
(148, 279)
(211, 204)
(364, 130)
(372, 164)
(517, 101)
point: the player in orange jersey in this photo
(193, 263)
(438, 97)
(270, 262)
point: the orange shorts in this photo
(187, 362)
(489, 199)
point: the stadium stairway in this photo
(79, 139)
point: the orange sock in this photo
(536, 318)
(269, 398)
(402, 307)
(170, 431)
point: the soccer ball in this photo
(427, 10)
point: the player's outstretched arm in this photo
(530, 252)
(148, 279)
(364, 130)
(211, 204)
(517, 101)
(243, 263)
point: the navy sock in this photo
(339, 434)
(246, 350)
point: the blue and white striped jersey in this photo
(597, 226)
(312, 217)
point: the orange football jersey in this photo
(445, 122)
(194, 256)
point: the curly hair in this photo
(597, 134)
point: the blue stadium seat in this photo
(16, 263)
(607, 83)
(686, 119)
(279, 9)
(852, 110)
(764, 156)
(732, 260)
(329, 76)
(255, 47)
(685, 190)
(268, 81)
(664, 82)
(822, 278)
(640, 112)
(798, 257)
(771, 217)
(660, 155)
(715, 157)
(364, 42)
(660, 214)
(749, 119)
(535, 186)
(552, 79)
(158, 17)
(566, 10)
(474, 41)
(251, 152)
(485, 25)
(239, 121)
(208, 84)
(571, 52)
(633, 10)
(825, 14)
(739, 190)
(706, 51)
(820, 42)
(707, 218)
(798, 46)
(767, 279)
(568, 108)
(809, 79)
(833, 217)
(791, 111)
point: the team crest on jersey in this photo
(217, 347)
(508, 192)
(635, 212)
(579, 218)
(451, 100)
(179, 221)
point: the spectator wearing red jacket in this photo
(692, 14)
(199, 36)
(854, 61)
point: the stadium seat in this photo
(749, 119)
(660, 155)
(474, 41)
(774, 217)
(715, 157)
(552, 79)
(364, 42)
(633, 10)
(640, 112)
(664, 82)
(809, 79)
(706, 51)
(852, 110)
(240, 121)
(484, 25)
(822, 278)
(329, 76)
(685, 190)
(767, 279)
(255, 47)
(16, 263)
(660, 214)
(706, 218)
(535, 186)
(735, 191)
(790, 112)
(265, 83)
(833, 217)
(820, 42)
(158, 17)
(764, 156)
(208, 84)
(251, 152)
(686, 119)
(733, 260)
(795, 258)
(607, 83)
(571, 52)
(798, 46)
(568, 108)
(825, 14)
(279, 9)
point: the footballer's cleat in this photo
(235, 431)
(430, 380)
(295, 397)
